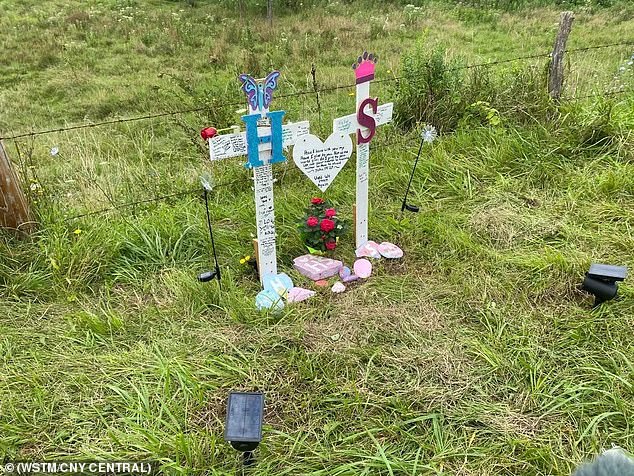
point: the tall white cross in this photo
(363, 123)
(262, 142)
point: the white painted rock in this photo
(279, 284)
(362, 268)
(269, 299)
(322, 161)
(299, 294)
(390, 250)
(317, 267)
(338, 287)
(370, 249)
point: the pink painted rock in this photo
(370, 249)
(321, 283)
(299, 294)
(344, 272)
(362, 268)
(350, 279)
(390, 250)
(317, 267)
(338, 287)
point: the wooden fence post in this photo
(14, 208)
(313, 72)
(269, 12)
(556, 71)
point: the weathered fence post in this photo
(313, 73)
(269, 12)
(556, 71)
(14, 208)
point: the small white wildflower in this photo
(429, 134)
(54, 151)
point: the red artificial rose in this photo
(208, 132)
(327, 225)
(316, 201)
(330, 212)
(312, 221)
(331, 245)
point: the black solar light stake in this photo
(243, 425)
(429, 135)
(209, 275)
(405, 205)
(601, 281)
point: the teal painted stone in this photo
(280, 284)
(269, 299)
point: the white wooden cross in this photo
(363, 123)
(262, 142)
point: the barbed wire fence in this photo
(305, 92)
(315, 91)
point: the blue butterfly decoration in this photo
(259, 96)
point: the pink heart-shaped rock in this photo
(369, 249)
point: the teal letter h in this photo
(253, 140)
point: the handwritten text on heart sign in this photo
(321, 162)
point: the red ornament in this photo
(208, 133)
(316, 201)
(312, 221)
(327, 225)
(330, 212)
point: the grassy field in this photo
(474, 355)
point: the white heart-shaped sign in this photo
(321, 162)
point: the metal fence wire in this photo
(315, 90)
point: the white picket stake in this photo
(364, 72)
(235, 145)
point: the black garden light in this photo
(429, 135)
(215, 274)
(243, 425)
(601, 281)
